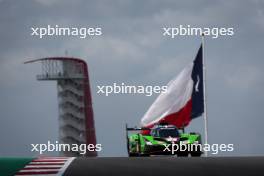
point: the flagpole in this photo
(204, 92)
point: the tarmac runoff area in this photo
(136, 166)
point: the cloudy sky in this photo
(132, 50)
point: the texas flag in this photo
(183, 100)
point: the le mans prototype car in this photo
(157, 138)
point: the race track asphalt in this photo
(161, 166)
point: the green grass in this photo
(9, 166)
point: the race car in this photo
(162, 139)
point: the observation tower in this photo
(76, 122)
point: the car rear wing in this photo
(143, 128)
(136, 128)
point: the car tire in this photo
(144, 155)
(133, 155)
(183, 154)
(196, 154)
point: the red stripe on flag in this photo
(180, 119)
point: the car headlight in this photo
(184, 142)
(148, 143)
(196, 142)
(170, 139)
(160, 142)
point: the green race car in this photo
(162, 139)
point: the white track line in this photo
(66, 165)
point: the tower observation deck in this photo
(76, 122)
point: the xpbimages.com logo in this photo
(212, 148)
(188, 30)
(58, 147)
(122, 88)
(81, 32)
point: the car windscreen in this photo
(168, 133)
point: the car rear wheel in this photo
(133, 155)
(183, 154)
(144, 155)
(196, 154)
